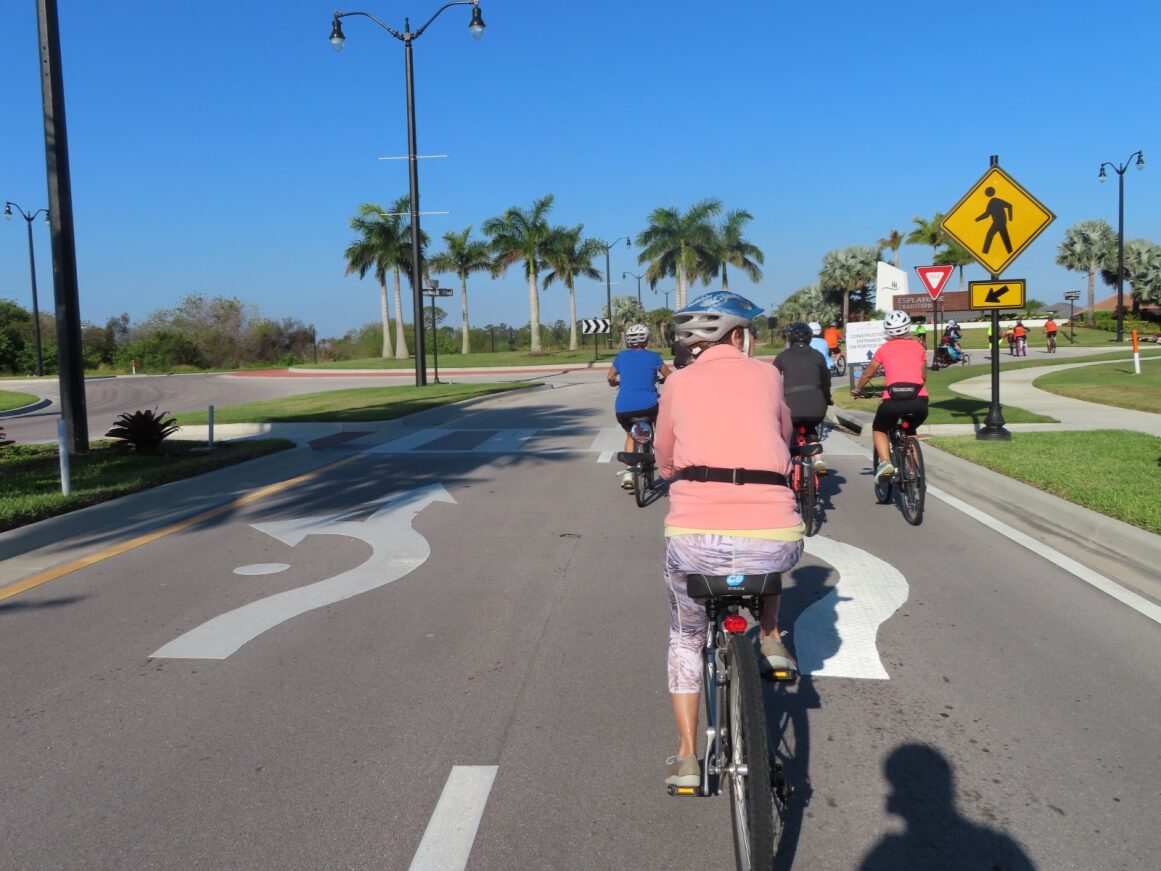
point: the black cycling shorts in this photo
(626, 418)
(891, 410)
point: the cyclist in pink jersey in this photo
(904, 363)
(722, 438)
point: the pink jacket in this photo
(725, 410)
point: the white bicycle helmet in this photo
(897, 323)
(711, 316)
(815, 328)
(636, 335)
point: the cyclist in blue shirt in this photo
(818, 342)
(636, 370)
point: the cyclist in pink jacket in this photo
(722, 436)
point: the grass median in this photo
(1114, 384)
(10, 399)
(1113, 472)
(30, 488)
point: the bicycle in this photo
(804, 478)
(737, 740)
(1021, 346)
(838, 363)
(642, 462)
(908, 479)
(1051, 343)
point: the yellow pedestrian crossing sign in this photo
(996, 220)
(997, 294)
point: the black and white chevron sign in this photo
(589, 326)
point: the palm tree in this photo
(1087, 246)
(570, 255)
(523, 234)
(807, 304)
(401, 209)
(735, 250)
(954, 254)
(1141, 262)
(680, 245)
(463, 257)
(927, 233)
(376, 248)
(893, 241)
(848, 270)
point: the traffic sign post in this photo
(1072, 296)
(434, 291)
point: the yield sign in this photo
(934, 278)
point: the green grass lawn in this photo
(1110, 384)
(30, 474)
(10, 399)
(977, 339)
(1068, 464)
(483, 361)
(355, 404)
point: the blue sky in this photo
(221, 147)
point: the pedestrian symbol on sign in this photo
(1000, 212)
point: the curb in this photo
(26, 409)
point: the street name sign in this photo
(437, 291)
(934, 278)
(1072, 294)
(589, 326)
(996, 220)
(997, 294)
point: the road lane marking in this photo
(448, 839)
(68, 568)
(835, 636)
(607, 442)
(396, 550)
(1126, 597)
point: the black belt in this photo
(731, 476)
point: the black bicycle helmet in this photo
(798, 333)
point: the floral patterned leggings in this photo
(709, 555)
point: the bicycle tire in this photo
(808, 497)
(751, 793)
(965, 359)
(840, 365)
(883, 487)
(912, 486)
(641, 477)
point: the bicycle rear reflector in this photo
(734, 624)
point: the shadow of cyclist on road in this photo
(935, 835)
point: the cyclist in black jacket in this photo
(806, 383)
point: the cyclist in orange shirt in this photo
(1020, 333)
(1050, 334)
(832, 335)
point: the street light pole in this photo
(608, 281)
(8, 207)
(407, 37)
(1120, 171)
(638, 277)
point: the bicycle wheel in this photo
(840, 365)
(749, 771)
(912, 486)
(807, 490)
(642, 477)
(883, 487)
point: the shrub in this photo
(145, 430)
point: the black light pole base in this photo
(993, 428)
(993, 433)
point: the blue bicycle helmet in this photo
(711, 316)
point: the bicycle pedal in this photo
(782, 675)
(683, 791)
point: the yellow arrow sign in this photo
(997, 294)
(996, 220)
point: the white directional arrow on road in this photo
(397, 549)
(835, 636)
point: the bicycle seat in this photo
(725, 586)
(631, 459)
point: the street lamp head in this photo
(337, 38)
(8, 211)
(1140, 160)
(476, 25)
(1102, 178)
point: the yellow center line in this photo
(60, 571)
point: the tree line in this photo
(688, 246)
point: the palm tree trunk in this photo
(466, 345)
(534, 312)
(846, 307)
(680, 290)
(1090, 319)
(401, 352)
(385, 315)
(571, 317)
(725, 279)
(896, 257)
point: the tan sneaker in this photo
(682, 771)
(626, 480)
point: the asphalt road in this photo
(501, 632)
